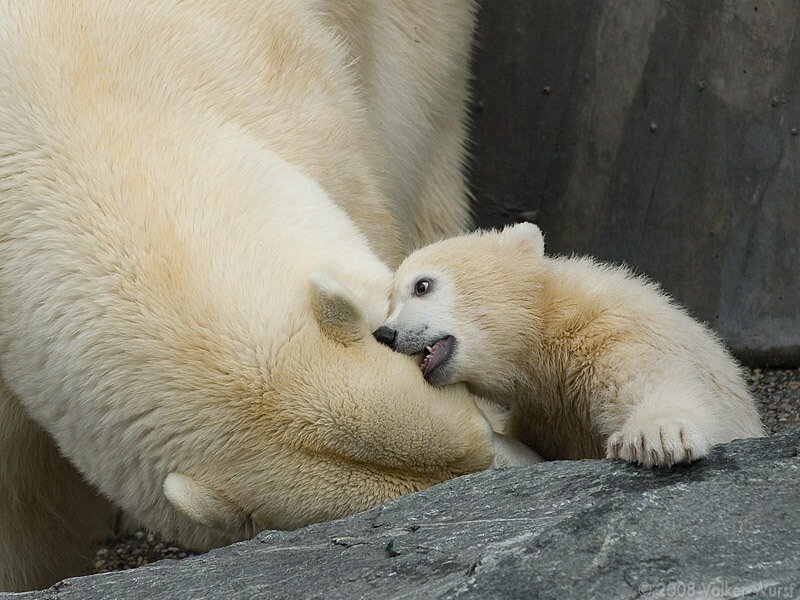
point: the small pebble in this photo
(793, 131)
(653, 126)
(546, 90)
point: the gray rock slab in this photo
(726, 527)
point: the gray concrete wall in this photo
(661, 134)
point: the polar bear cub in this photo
(590, 359)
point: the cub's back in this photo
(626, 312)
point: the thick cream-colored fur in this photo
(592, 360)
(171, 174)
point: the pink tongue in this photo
(431, 360)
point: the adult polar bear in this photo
(171, 175)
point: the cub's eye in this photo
(422, 287)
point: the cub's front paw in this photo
(509, 452)
(660, 443)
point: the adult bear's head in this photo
(343, 423)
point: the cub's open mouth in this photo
(437, 354)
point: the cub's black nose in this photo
(386, 335)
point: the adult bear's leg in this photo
(412, 58)
(50, 520)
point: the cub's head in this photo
(465, 305)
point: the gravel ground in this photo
(133, 551)
(777, 392)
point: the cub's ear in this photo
(204, 505)
(527, 235)
(336, 309)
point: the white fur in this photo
(509, 452)
(171, 174)
(591, 359)
(204, 505)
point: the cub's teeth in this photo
(429, 348)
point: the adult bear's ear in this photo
(204, 505)
(526, 235)
(336, 309)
